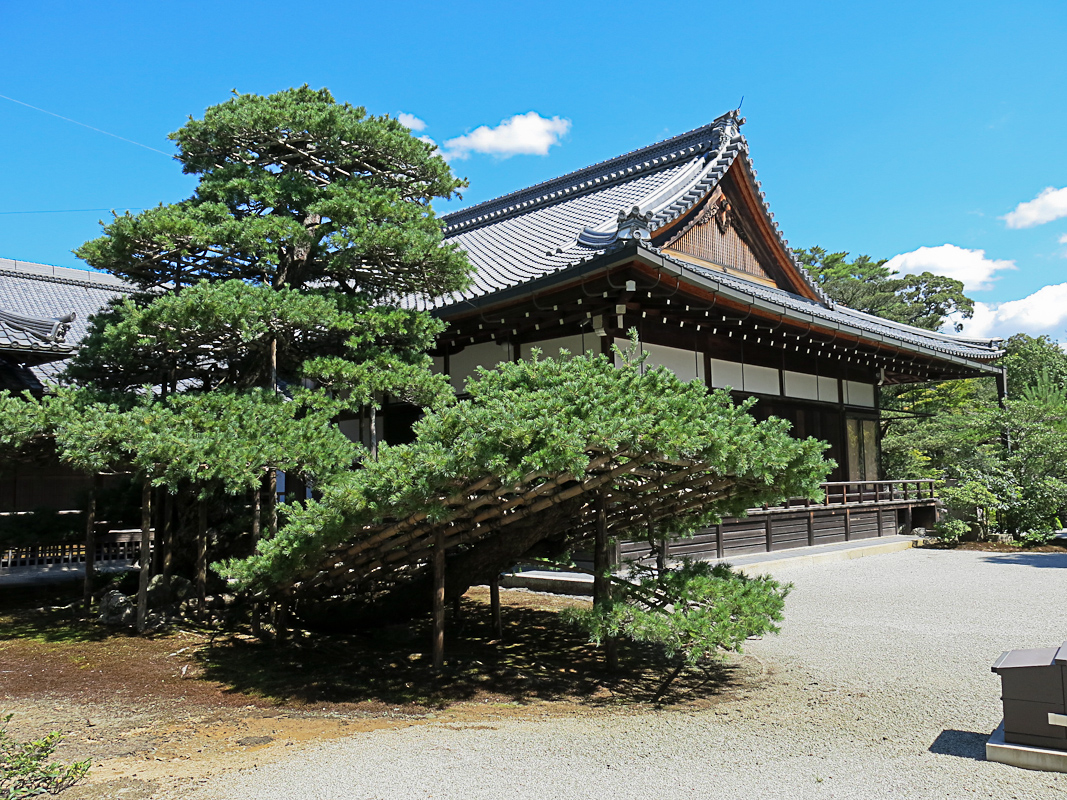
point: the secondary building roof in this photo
(44, 313)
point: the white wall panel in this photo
(572, 344)
(859, 394)
(461, 365)
(763, 380)
(726, 373)
(828, 389)
(801, 385)
(685, 364)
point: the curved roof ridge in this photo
(586, 179)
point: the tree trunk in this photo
(272, 504)
(257, 498)
(146, 548)
(201, 558)
(602, 567)
(90, 543)
(439, 602)
(167, 512)
(494, 604)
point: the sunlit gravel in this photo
(878, 687)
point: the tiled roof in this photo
(36, 301)
(538, 232)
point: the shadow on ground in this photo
(963, 744)
(539, 658)
(1040, 560)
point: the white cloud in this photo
(522, 134)
(1063, 238)
(1043, 312)
(1049, 205)
(970, 266)
(410, 121)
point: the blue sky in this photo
(887, 129)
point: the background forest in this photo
(1004, 465)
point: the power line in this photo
(65, 211)
(90, 127)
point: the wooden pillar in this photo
(719, 550)
(201, 558)
(439, 600)
(768, 533)
(811, 528)
(146, 548)
(90, 543)
(879, 520)
(494, 604)
(848, 526)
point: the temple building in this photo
(677, 242)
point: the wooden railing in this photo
(112, 547)
(851, 493)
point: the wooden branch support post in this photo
(90, 543)
(201, 558)
(439, 601)
(146, 548)
(494, 605)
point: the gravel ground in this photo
(878, 687)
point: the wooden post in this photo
(201, 558)
(90, 543)
(146, 548)
(879, 520)
(811, 529)
(768, 533)
(439, 601)
(494, 604)
(719, 550)
(848, 526)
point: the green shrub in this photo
(952, 530)
(1036, 538)
(25, 769)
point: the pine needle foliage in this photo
(547, 415)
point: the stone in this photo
(165, 591)
(117, 609)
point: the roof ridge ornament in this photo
(728, 126)
(634, 224)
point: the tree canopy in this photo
(925, 301)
